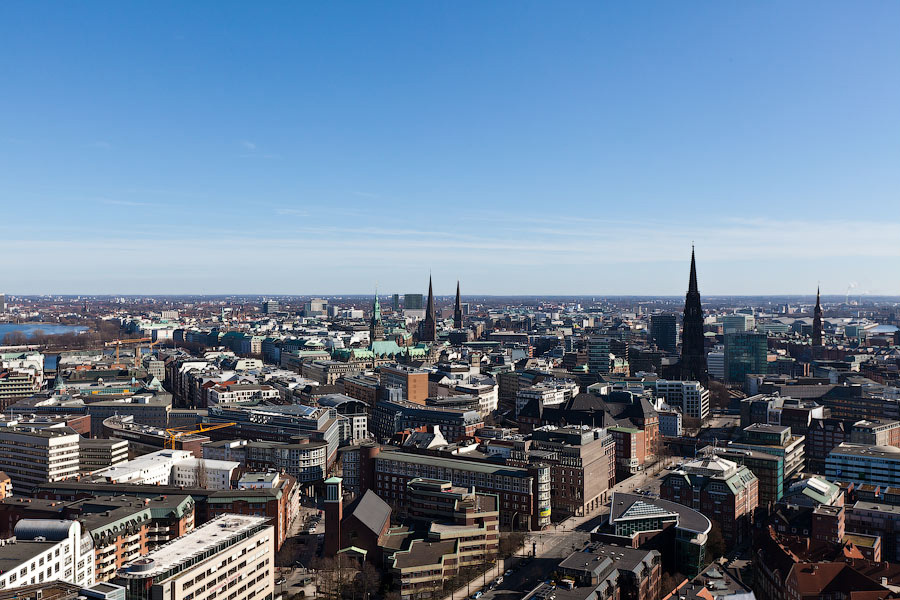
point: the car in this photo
(508, 573)
(499, 580)
(280, 581)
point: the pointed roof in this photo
(458, 305)
(692, 285)
(430, 308)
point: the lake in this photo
(47, 328)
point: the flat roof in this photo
(13, 555)
(452, 463)
(182, 549)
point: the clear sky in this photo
(522, 147)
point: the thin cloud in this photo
(250, 146)
(293, 212)
(115, 202)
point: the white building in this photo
(242, 392)
(172, 467)
(715, 364)
(550, 392)
(31, 456)
(201, 472)
(487, 395)
(228, 558)
(46, 550)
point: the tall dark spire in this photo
(817, 321)
(692, 284)
(428, 332)
(693, 352)
(457, 309)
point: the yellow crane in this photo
(137, 353)
(176, 433)
(118, 344)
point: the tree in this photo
(670, 582)
(718, 394)
(715, 543)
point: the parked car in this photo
(280, 581)
(477, 595)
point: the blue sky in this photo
(558, 148)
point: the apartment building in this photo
(230, 557)
(306, 461)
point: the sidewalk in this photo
(478, 582)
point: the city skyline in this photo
(542, 150)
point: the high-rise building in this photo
(413, 301)
(457, 310)
(817, 322)
(34, 456)
(693, 354)
(396, 302)
(376, 329)
(599, 359)
(428, 327)
(664, 331)
(745, 354)
(270, 307)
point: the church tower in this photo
(376, 329)
(457, 310)
(817, 321)
(693, 353)
(428, 331)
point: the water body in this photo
(48, 328)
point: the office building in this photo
(664, 332)
(33, 456)
(412, 382)
(778, 441)
(745, 354)
(858, 464)
(413, 301)
(99, 453)
(394, 416)
(635, 520)
(582, 465)
(524, 493)
(229, 557)
(270, 307)
(720, 489)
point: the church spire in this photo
(428, 332)
(692, 284)
(817, 320)
(457, 309)
(693, 352)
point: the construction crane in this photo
(118, 344)
(137, 353)
(176, 433)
